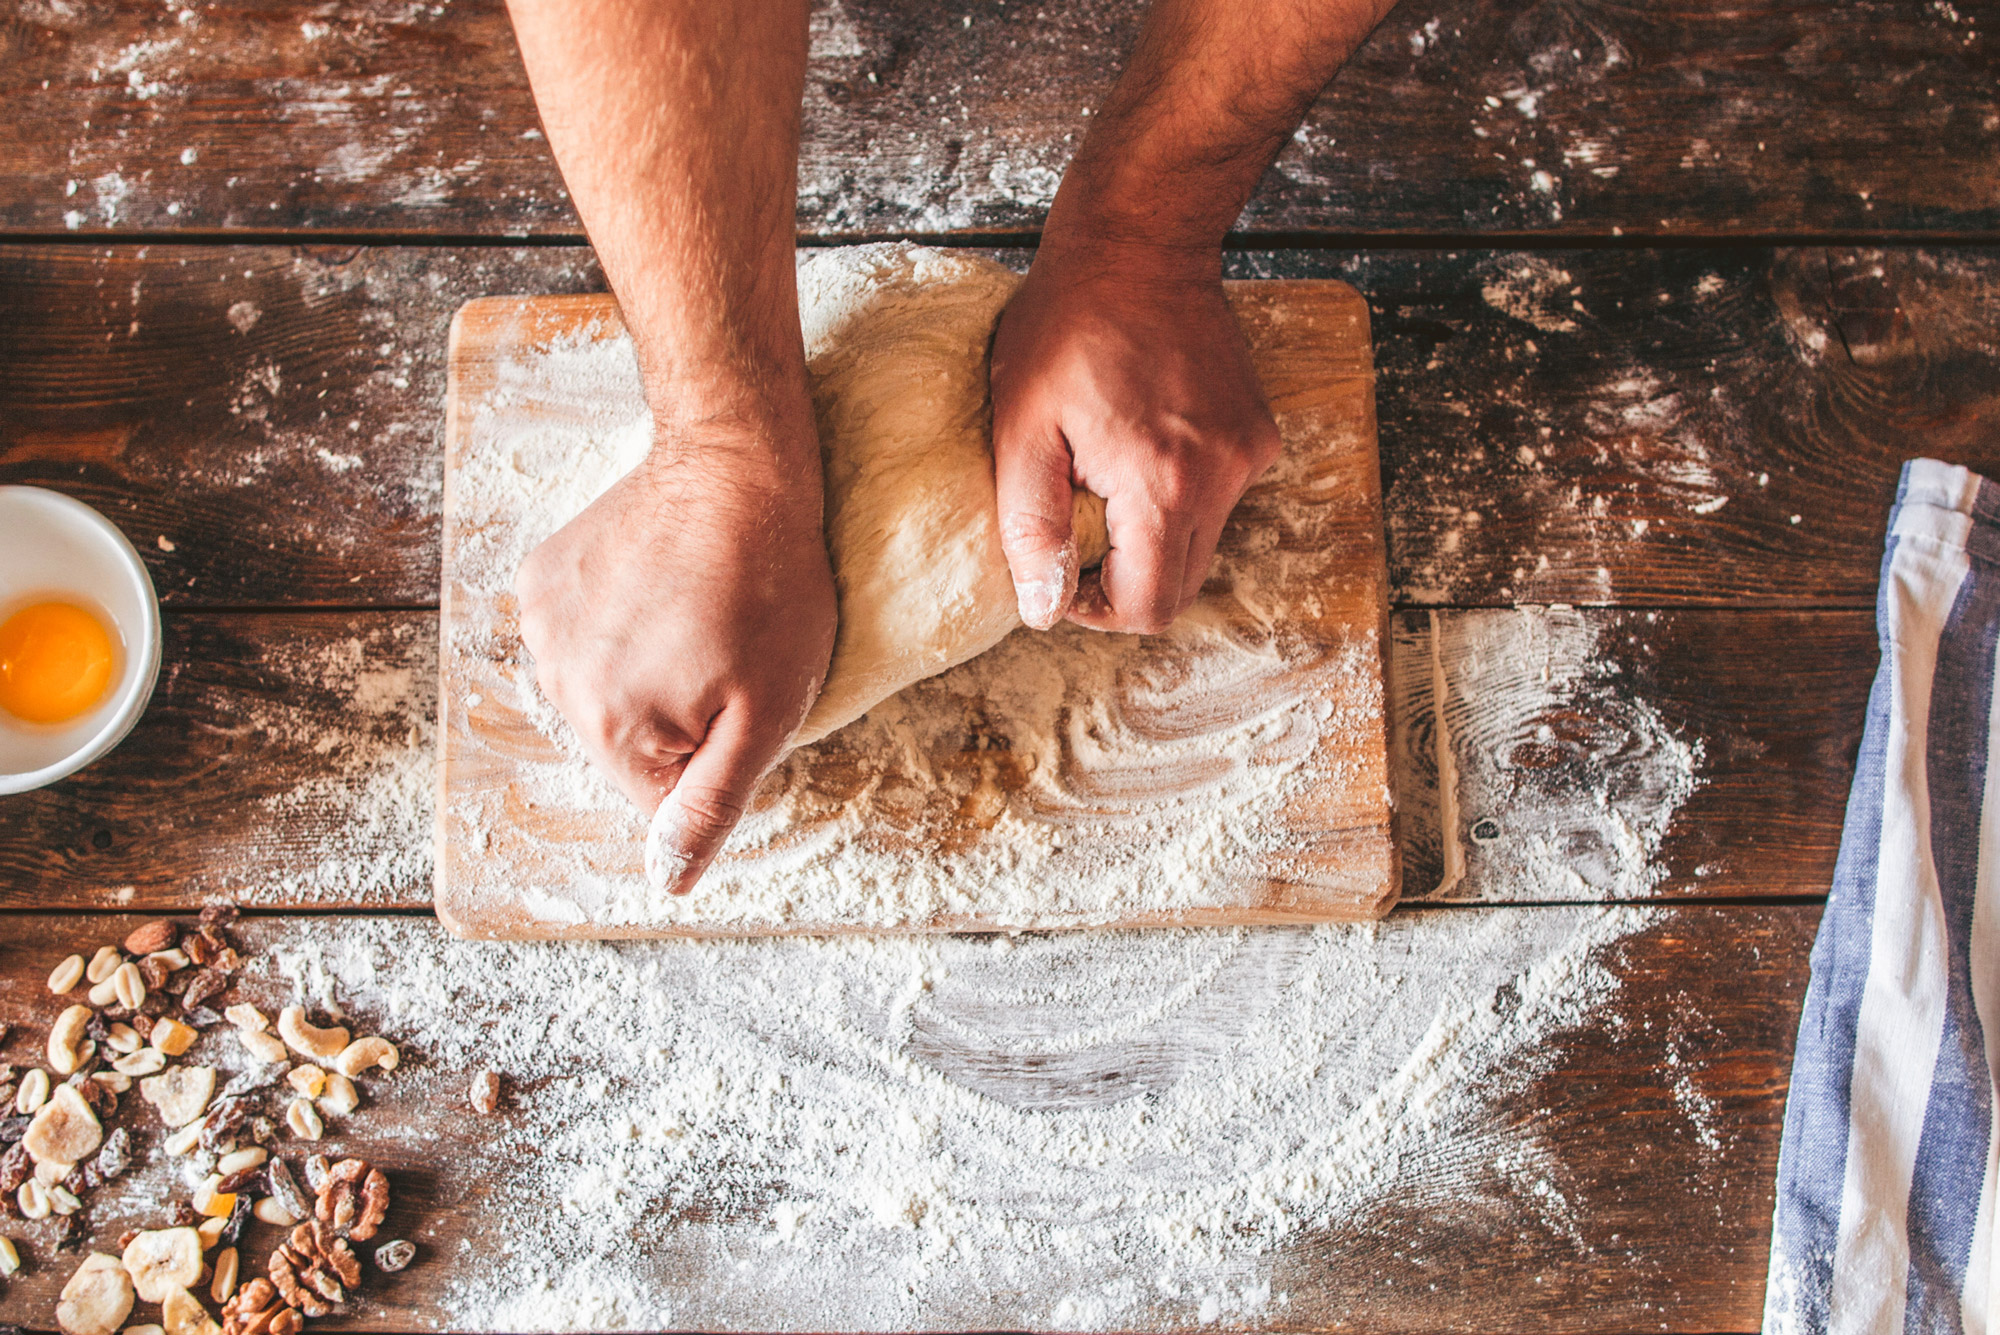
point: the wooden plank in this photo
(1621, 754)
(1184, 791)
(1470, 117)
(1681, 434)
(1605, 1167)
(262, 422)
(286, 761)
(1670, 426)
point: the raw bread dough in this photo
(896, 344)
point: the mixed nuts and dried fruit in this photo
(150, 1000)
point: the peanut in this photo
(304, 1120)
(269, 1211)
(67, 975)
(230, 1164)
(225, 1275)
(32, 1200)
(104, 963)
(129, 985)
(34, 1091)
(339, 1097)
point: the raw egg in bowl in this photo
(79, 637)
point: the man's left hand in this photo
(1122, 371)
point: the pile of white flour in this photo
(1079, 1131)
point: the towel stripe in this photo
(1951, 1156)
(1889, 1173)
(1902, 1000)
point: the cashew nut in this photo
(364, 1053)
(305, 1039)
(63, 1037)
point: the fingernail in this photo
(666, 864)
(1044, 597)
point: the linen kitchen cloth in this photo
(1886, 1175)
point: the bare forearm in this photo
(676, 125)
(1210, 94)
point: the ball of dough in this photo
(896, 339)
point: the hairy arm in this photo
(676, 123)
(1118, 365)
(683, 622)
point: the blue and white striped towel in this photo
(1886, 1177)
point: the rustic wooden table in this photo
(1662, 298)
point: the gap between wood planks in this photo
(1747, 902)
(1236, 242)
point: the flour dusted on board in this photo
(1125, 1129)
(1098, 785)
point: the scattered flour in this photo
(1086, 1131)
(1557, 781)
(1533, 290)
(357, 830)
(1098, 780)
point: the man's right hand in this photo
(682, 624)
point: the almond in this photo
(152, 937)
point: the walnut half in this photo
(354, 1199)
(254, 1309)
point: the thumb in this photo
(1031, 472)
(692, 821)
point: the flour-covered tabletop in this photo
(1660, 302)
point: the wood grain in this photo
(527, 851)
(1555, 117)
(1627, 754)
(1521, 463)
(1654, 1123)
(263, 423)
(259, 772)
(284, 760)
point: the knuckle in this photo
(707, 812)
(1029, 532)
(1177, 483)
(1262, 449)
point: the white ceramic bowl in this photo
(54, 548)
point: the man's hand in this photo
(1119, 360)
(682, 624)
(1126, 374)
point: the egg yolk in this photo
(55, 662)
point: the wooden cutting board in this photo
(1231, 771)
